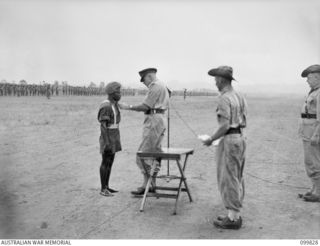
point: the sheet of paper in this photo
(206, 137)
(203, 137)
(216, 143)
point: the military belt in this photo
(113, 126)
(232, 130)
(155, 111)
(308, 116)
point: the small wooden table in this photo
(168, 154)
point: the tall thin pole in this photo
(168, 139)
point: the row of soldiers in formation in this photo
(45, 89)
(10, 89)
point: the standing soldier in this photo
(32, 90)
(23, 89)
(309, 131)
(109, 118)
(1, 89)
(47, 91)
(154, 106)
(18, 90)
(42, 89)
(5, 89)
(9, 89)
(184, 94)
(13, 89)
(231, 113)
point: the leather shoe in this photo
(309, 193)
(312, 198)
(226, 223)
(221, 217)
(140, 191)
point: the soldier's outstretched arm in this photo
(140, 108)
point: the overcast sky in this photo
(268, 43)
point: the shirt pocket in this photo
(307, 128)
(311, 104)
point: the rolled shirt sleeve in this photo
(318, 108)
(223, 108)
(244, 113)
(152, 97)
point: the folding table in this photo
(175, 154)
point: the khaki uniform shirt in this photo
(154, 124)
(311, 105)
(232, 106)
(157, 96)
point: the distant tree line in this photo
(22, 88)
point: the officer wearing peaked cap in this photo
(146, 71)
(232, 118)
(154, 106)
(309, 131)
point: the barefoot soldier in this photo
(309, 131)
(154, 106)
(231, 113)
(109, 118)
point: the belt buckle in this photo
(114, 126)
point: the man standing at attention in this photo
(154, 106)
(109, 118)
(309, 131)
(231, 113)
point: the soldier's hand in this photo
(314, 140)
(124, 106)
(208, 142)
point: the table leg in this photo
(179, 188)
(185, 179)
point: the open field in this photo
(50, 163)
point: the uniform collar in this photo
(317, 87)
(152, 83)
(108, 101)
(226, 89)
(314, 89)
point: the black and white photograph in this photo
(161, 120)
